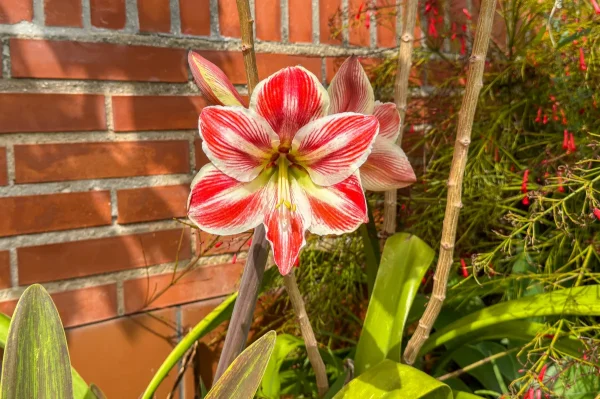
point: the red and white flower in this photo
(387, 167)
(283, 163)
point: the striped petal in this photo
(333, 147)
(386, 168)
(288, 100)
(219, 204)
(286, 226)
(336, 209)
(237, 141)
(350, 89)
(389, 120)
(212, 82)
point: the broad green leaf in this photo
(242, 378)
(36, 359)
(404, 262)
(389, 379)
(81, 390)
(284, 345)
(368, 232)
(579, 301)
(465, 395)
(576, 382)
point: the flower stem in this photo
(307, 333)
(401, 93)
(243, 311)
(457, 171)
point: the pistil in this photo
(283, 183)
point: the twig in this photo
(478, 363)
(307, 333)
(457, 171)
(241, 319)
(401, 93)
(557, 6)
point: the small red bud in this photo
(596, 6)
(463, 46)
(565, 143)
(545, 120)
(250, 242)
(542, 372)
(217, 245)
(582, 64)
(463, 268)
(572, 146)
(596, 213)
(525, 200)
(538, 119)
(234, 259)
(467, 14)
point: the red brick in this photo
(154, 15)
(81, 306)
(203, 282)
(134, 113)
(13, 11)
(51, 112)
(229, 23)
(300, 21)
(103, 61)
(35, 163)
(329, 14)
(108, 14)
(102, 255)
(358, 32)
(270, 63)
(3, 166)
(63, 13)
(386, 23)
(195, 17)
(52, 212)
(268, 20)
(121, 356)
(201, 158)
(4, 270)
(152, 203)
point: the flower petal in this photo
(386, 168)
(288, 100)
(212, 82)
(286, 226)
(389, 120)
(237, 141)
(333, 147)
(350, 89)
(219, 204)
(336, 209)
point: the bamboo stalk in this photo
(307, 333)
(400, 94)
(243, 311)
(457, 171)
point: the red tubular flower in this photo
(538, 119)
(529, 394)
(431, 29)
(467, 14)
(545, 120)
(565, 143)
(572, 146)
(387, 166)
(234, 259)
(463, 268)
(596, 212)
(525, 181)
(596, 6)
(360, 8)
(367, 19)
(463, 46)
(284, 164)
(582, 64)
(217, 245)
(561, 189)
(538, 394)
(525, 200)
(542, 372)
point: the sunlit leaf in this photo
(284, 345)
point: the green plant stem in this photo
(478, 363)
(368, 232)
(307, 333)
(237, 333)
(455, 180)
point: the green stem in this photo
(368, 231)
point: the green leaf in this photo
(368, 232)
(81, 390)
(242, 378)
(389, 379)
(404, 262)
(206, 325)
(576, 382)
(579, 301)
(465, 395)
(284, 345)
(36, 359)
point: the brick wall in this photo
(98, 145)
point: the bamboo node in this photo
(407, 37)
(447, 246)
(465, 142)
(246, 47)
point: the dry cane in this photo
(457, 171)
(401, 94)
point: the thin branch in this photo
(401, 94)
(478, 363)
(457, 171)
(307, 333)
(243, 311)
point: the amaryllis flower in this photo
(387, 167)
(283, 163)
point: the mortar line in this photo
(10, 165)
(345, 24)
(372, 30)
(175, 17)
(316, 27)
(120, 297)
(108, 114)
(214, 19)
(114, 206)
(39, 18)
(6, 63)
(132, 22)
(285, 21)
(86, 14)
(14, 267)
